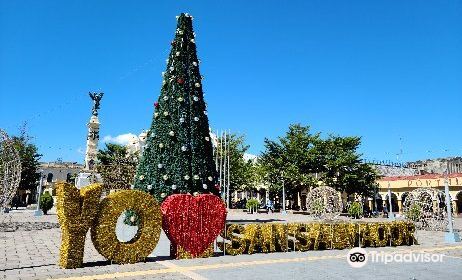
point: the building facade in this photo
(400, 186)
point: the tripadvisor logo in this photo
(358, 257)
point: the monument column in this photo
(92, 143)
(88, 176)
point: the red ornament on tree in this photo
(180, 81)
(156, 104)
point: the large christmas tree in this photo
(178, 157)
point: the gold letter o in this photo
(103, 232)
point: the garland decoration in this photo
(76, 209)
(103, 232)
(192, 223)
(278, 237)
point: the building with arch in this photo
(400, 186)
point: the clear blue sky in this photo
(383, 70)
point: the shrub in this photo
(355, 210)
(252, 203)
(46, 202)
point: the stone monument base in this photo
(85, 178)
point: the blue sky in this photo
(389, 71)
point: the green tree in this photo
(28, 153)
(116, 166)
(46, 202)
(341, 166)
(291, 159)
(178, 157)
(302, 159)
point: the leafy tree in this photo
(342, 168)
(291, 159)
(28, 153)
(178, 157)
(116, 166)
(302, 159)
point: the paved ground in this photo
(33, 254)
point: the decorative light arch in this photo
(10, 170)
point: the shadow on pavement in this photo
(242, 221)
(147, 260)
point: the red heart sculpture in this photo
(193, 222)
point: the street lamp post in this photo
(38, 211)
(450, 236)
(283, 195)
(391, 216)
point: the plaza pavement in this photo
(30, 253)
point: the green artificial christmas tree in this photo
(178, 157)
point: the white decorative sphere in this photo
(205, 113)
(177, 53)
(171, 133)
(181, 120)
(163, 195)
(197, 85)
(183, 148)
(173, 187)
(156, 114)
(165, 177)
(160, 165)
(195, 98)
(196, 177)
(180, 99)
(161, 145)
(192, 41)
(149, 187)
(196, 119)
(172, 68)
(207, 138)
(194, 63)
(165, 113)
(210, 178)
(186, 177)
(204, 186)
(132, 219)
(165, 97)
(141, 177)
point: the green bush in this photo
(355, 210)
(252, 203)
(46, 202)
